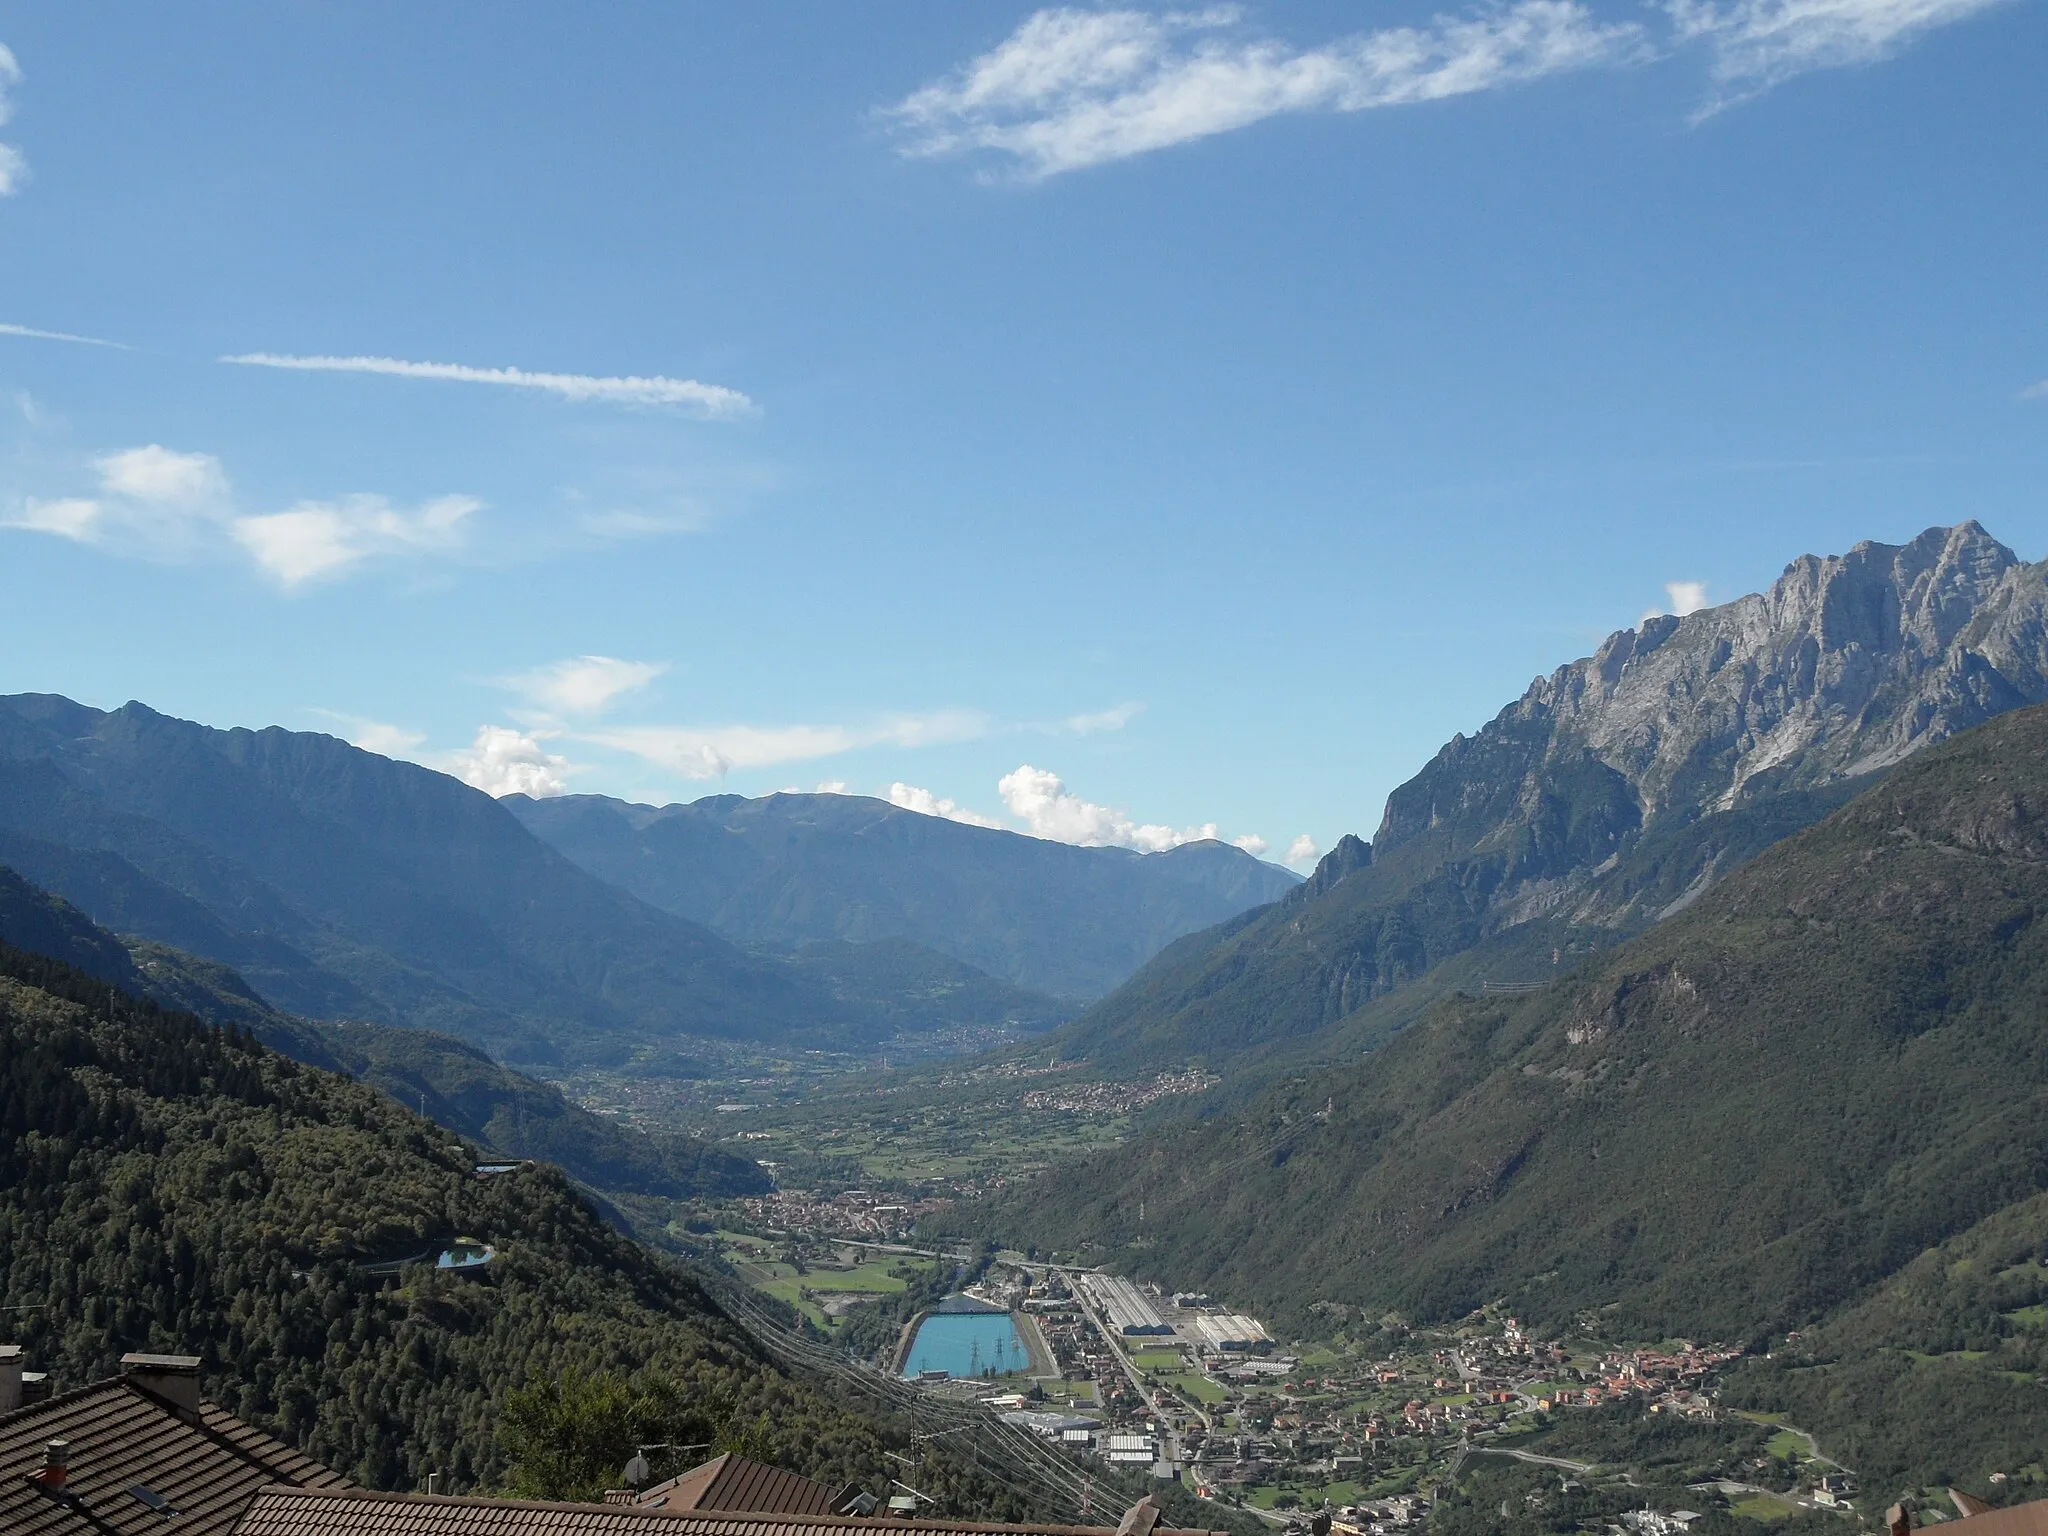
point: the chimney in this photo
(10, 1377)
(171, 1379)
(56, 1466)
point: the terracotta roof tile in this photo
(206, 1466)
(736, 1483)
(351, 1512)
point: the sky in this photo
(1119, 424)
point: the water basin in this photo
(967, 1344)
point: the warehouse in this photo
(1129, 1312)
(1232, 1331)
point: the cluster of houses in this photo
(1118, 1098)
(858, 1213)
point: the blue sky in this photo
(1106, 422)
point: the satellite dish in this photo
(636, 1471)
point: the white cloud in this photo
(1072, 88)
(158, 476)
(1686, 596)
(1039, 798)
(910, 798)
(2035, 391)
(584, 685)
(13, 167)
(70, 518)
(713, 752)
(832, 787)
(712, 401)
(377, 736)
(320, 539)
(1680, 598)
(1302, 850)
(32, 332)
(502, 761)
(1075, 88)
(1252, 844)
(1104, 720)
(1756, 44)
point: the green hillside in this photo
(1728, 1127)
(451, 1081)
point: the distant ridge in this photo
(790, 869)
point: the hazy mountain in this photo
(342, 884)
(448, 1080)
(1614, 791)
(1738, 1123)
(793, 869)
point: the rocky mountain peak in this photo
(1848, 664)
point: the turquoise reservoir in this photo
(967, 1344)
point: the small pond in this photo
(967, 1344)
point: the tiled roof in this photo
(734, 1482)
(352, 1512)
(204, 1465)
(2015, 1520)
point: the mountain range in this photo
(791, 869)
(343, 885)
(1744, 1122)
(1614, 792)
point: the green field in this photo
(766, 1271)
(1762, 1506)
(1197, 1386)
(1159, 1360)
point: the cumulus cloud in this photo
(83, 341)
(1756, 44)
(152, 500)
(910, 798)
(1686, 596)
(712, 401)
(1252, 844)
(315, 540)
(1302, 850)
(1074, 88)
(377, 736)
(1680, 598)
(713, 752)
(13, 167)
(584, 685)
(162, 477)
(71, 517)
(165, 504)
(1104, 720)
(503, 761)
(1048, 809)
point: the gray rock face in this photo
(1848, 664)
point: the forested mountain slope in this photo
(790, 869)
(167, 1186)
(1731, 1125)
(454, 1083)
(344, 885)
(1614, 792)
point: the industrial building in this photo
(1232, 1331)
(1128, 1311)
